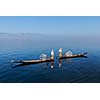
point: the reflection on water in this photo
(64, 71)
(46, 65)
(68, 60)
(52, 64)
(72, 70)
(60, 63)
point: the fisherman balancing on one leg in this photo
(52, 54)
(60, 52)
(52, 57)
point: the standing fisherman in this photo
(52, 54)
(60, 52)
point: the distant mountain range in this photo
(1, 33)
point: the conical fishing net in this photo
(43, 56)
(68, 53)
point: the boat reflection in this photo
(52, 64)
(45, 65)
(60, 63)
(68, 60)
(48, 64)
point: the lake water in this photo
(31, 46)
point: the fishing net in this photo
(68, 53)
(43, 56)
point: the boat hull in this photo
(33, 61)
(74, 56)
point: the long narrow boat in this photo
(32, 61)
(74, 56)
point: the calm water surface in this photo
(23, 47)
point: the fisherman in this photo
(52, 54)
(60, 52)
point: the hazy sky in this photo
(51, 25)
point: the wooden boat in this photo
(33, 61)
(43, 58)
(74, 56)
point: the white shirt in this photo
(52, 52)
(60, 50)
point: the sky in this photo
(50, 25)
